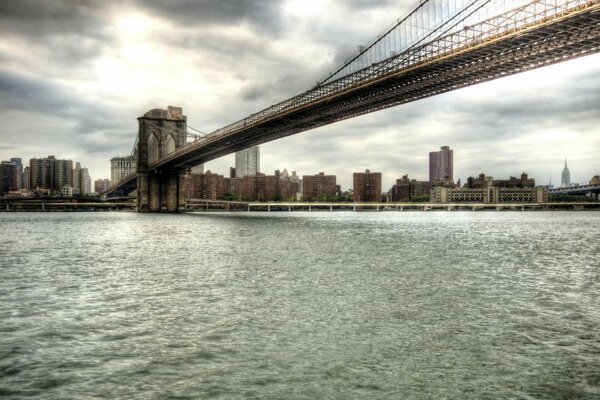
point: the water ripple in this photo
(411, 305)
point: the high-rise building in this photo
(19, 163)
(82, 183)
(50, 173)
(441, 165)
(86, 182)
(318, 185)
(120, 167)
(367, 186)
(565, 180)
(26, 179)
(247, 162)
(8, 176)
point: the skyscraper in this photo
(19, 163)
(8, 176)
(50, 173)
(441, 165)
(247, 162)
(565, 180)
(77, 179)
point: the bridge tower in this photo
(158, 189)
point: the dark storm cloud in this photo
(18, 92)
(80, 117)
(263, 14)
(39, 19)
(60, 34)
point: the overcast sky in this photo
(75, 75)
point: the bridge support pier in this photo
(161, 191)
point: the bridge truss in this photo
(442, 45)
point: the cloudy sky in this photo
(75, 75)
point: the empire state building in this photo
(565, 180)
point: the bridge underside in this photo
(543, 44)
(522, 51)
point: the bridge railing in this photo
(477, 24)
(468, 35)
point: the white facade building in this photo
(121, 167)
(247, 162)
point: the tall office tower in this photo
(26, 179)
(247, 162)
(77, 179)
(367, 186)
(8, 176)
(120, 167)
(50, 173)
(565, 180)
(86, 181)
(19, 163)
(441, 165)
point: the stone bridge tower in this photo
(160, 132)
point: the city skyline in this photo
(81, 99)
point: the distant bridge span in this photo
(593, 190)
(450, 49)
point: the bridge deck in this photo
(493, 49)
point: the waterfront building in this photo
(232, 187)
(247, 162)
(318, 185)
(441, 165)
(595, 180)
(512, 182)
(366, 186)
(489, 194)
(290, 185)
(206, 186)
(8, 177)
(67, 191)
(20, 178)
(120, 167)
(565, 180)
(261, 187)
(101, 185)
(50, 173)
(406, 190)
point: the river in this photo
(300, 305)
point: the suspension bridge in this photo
(439, 46)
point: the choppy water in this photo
(337, 305)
